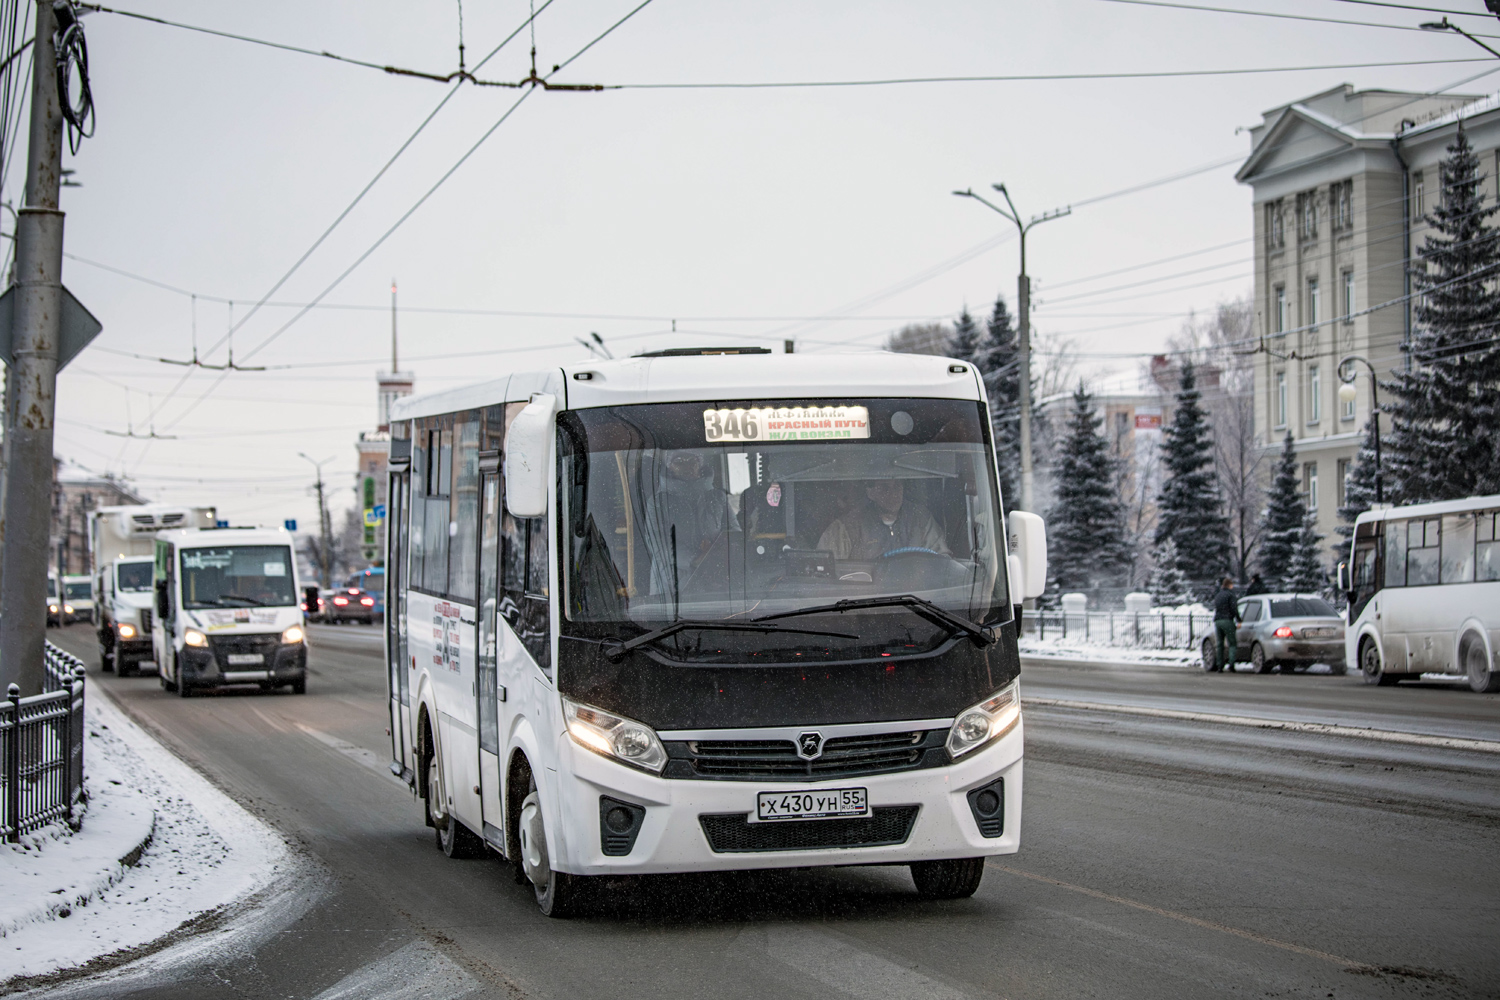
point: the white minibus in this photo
(707, 610)
(1423, 584)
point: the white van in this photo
(123, 603)
(78, 599)
(227, 610)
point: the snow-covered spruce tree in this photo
(1168, 586)
(998, 360)
(966, 338)
(1190, 510)
(1307, 574)
(1281, 521)
(1359, 488)
(1086, 525)
(1444, 406)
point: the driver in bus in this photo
(884, 523)
(690, 501)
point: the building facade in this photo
(75, 492)
(374, 454)
(1341, 182)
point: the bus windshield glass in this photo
(237, 576)
(134, 576)
(720, 509)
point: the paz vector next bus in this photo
(707, 610)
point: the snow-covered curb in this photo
(55, 871)
(206, 855)
(1062, 650)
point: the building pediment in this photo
(1299, 137)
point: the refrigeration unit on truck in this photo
(226, 610)
(122, 541)
(709, 610)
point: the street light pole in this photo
(1347, 375)
(325, 527)
(1446, 25)
(1023, 307)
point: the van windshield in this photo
(134, 576)
(237, 576)
(712, 510)
(78, 590)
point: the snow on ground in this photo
(206, 854)
(1078, 649)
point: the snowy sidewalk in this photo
(1070, 649)
(71, 905)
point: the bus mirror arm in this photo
(1028, 554)
(1344, 578)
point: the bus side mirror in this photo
(1028, 555)
(528, 444)
(162, 610)
(1344, 578)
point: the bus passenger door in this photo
(399, 659)
(487, 650)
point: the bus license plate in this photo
(245, 659)
(825, 803)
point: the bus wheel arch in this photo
(1474, 659)
(1371, 663)
(426, 757)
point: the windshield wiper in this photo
(238, 597)
(616, 651)
(919, 605)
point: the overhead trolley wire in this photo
(1279, 15)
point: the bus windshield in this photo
(134, 576)
(713, 510)
(237, 576)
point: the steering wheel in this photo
(912, 550)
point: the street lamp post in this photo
(325, 526)
(1023, 307)
(1446, 25)
(1347, 393)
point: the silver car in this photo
(1286, 631)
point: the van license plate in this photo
(245, 659)
(825, 803)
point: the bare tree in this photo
(921, 338)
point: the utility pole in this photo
(1023, 306)
(325, 525)
(32, 397)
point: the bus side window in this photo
(1487, 546)
(1422, 552)
(1395, 554)
(1458, 548)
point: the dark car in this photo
(349, 604)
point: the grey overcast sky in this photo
(740, 213)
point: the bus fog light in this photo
(625, 740)
(985, 722)
(192, 637)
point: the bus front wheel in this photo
(956, 879)
(558, 894)
(1370, 667)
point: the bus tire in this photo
(955, 879)
(1370, 667)
(558, 894)
(1476, 664)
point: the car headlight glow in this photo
(52, 608)
(67, 609)
(293, 633)
(192, 637)
(985, 722)
(625, 740)
(127, 631)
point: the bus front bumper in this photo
(697, 825)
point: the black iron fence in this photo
(41, 749)
(1133, 629)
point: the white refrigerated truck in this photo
(122, 541)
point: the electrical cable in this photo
(73, 60)
(1427, 10)
(1278, 15)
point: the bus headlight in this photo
(192, 637)
(625, 740)
(127, 631)
(293, 633)
(987, 721)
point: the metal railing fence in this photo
(41, 749)
(1131, 629)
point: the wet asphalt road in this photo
(1160, 858)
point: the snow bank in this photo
(206, 854)
(1071, 649)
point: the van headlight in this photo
(67, 609)
(985, 722)
(127, 631)
(293, 634)
(625, 740)
(192, 637)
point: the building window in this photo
(1418, 198)
(1314, 394)
(1346, 409)
(1280, 401)
(1342, 485)
(1314, 302)
(1275, 227)
(1341, 204)
(1310, 484)
(1307, 216)
(1348, 296)
(1280, 309)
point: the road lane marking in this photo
(416, 971)
(847, 969)
(1321, 728)
(355, 753)
(1346, 963)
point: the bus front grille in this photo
(733, 833)
(777, 760)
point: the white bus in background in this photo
(122, 542)
(709, 610)
(1423, 584)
